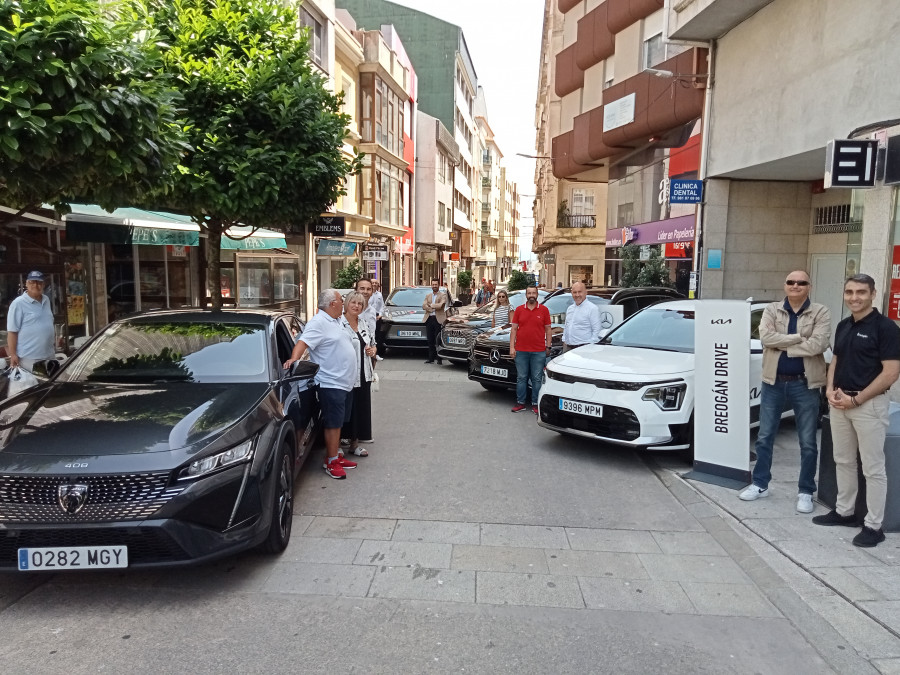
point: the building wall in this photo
(797, 74)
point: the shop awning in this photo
(90, 223)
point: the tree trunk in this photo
(214, 267)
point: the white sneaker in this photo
(379, 358)
(804, 503)
(753, 492)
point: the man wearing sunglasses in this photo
(795, 334)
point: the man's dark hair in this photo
(356, 285)
(862, 279)
(534, 286)
(436, 279)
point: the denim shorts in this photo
(337, 405)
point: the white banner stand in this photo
(722, 398)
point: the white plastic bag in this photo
(20, 380)
(375, 382)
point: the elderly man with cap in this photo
(30, 325)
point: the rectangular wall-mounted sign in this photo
(375, 252)
(330, 226)
(722, 392)
(339, 248)
(850, 164)
(685, 191)
(618, 113)
(714, 259)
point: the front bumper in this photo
(476, 374)
(389, 334)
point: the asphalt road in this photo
(471, 540)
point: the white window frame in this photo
(318, 37)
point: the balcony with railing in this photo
(578, 222)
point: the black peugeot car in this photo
(489, 361)
(171, 437)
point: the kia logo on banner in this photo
(721, 386)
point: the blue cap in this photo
(34, 275)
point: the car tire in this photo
(282, 504)
(492, 387)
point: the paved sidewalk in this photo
(856, 590)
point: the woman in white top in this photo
(503, 311)
(360, 424)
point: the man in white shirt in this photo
(369, 315)
(435, 306)
(582, 320)
(29, 325)
(377, 300)
(331, 347)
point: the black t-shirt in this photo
(861, 346)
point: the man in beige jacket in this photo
(435, 306)
(795, 334)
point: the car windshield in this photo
(558, 304)
(656, 328)
(408, 297)
(173, 352)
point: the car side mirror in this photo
(302, 370)
(46, 369)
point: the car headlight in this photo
(667, 396)
(201, 467)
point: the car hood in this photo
(480, 322)
(624, 361)
(401, 314)
(500, 336)
(77, 419)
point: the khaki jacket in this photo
(811, 340)
(439, 307)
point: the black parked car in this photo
(171, 437)
(402, 321)
(489, 361)
(458, 334)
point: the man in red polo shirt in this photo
(529, 342)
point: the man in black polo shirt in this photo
(866, 363)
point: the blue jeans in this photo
(805, 403)
(529, 366)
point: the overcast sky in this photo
(504, 39)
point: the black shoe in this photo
(430, 361)
(868, 538)
(440, 362)
(832, 518)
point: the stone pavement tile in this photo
(532, 590)
(396, 374)
(596, 564)
(619, 541)
(884, 579)
(300, 522)
(405, 554)
(729, 600)
(702, 510)
(499, 559)
(321, 550)
(887, 552)
(886, 611)
(525, 536)
(433, 377)
(351, 528)
(887, 666)
(635, 595)
(844, 581)
(439, 532)
(690, 543)
(423, 583)
(867, 637)
(245, 573)
(699, 568)
(320, 579)
(836, 553)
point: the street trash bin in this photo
(827, 492)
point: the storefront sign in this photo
(178, 251)
(894, 300)
(685, 191)
(330, 226)
(549, 258)
(722, 391)
(850, 164)
(618, 113)
(374, 252)
(658, 232)
(156, 236)
(338, 248)
(681, 249)
(714, 259)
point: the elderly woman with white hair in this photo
(360, 424)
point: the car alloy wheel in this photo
(283, 506)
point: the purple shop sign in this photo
(658, 232)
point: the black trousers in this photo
(360, 424)
(432, 328)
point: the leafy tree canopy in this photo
(84, 111)
(517, 280)
(349, 275)
(652, 272)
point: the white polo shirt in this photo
(332, 348)
(582, 323)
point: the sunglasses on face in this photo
(792, 282)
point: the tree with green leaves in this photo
(517, 281)
(266, 133)
(349, 275)
(635, 272)
(85, 112)
(631, 265)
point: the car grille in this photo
(602, 384)
(110, 498)
(618, 423)
(468, 334)
(483, 352)
(145, 545)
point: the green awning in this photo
(261, 239)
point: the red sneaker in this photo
(334, 469)
(534, 409)
(518, 407)
(346, 463)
